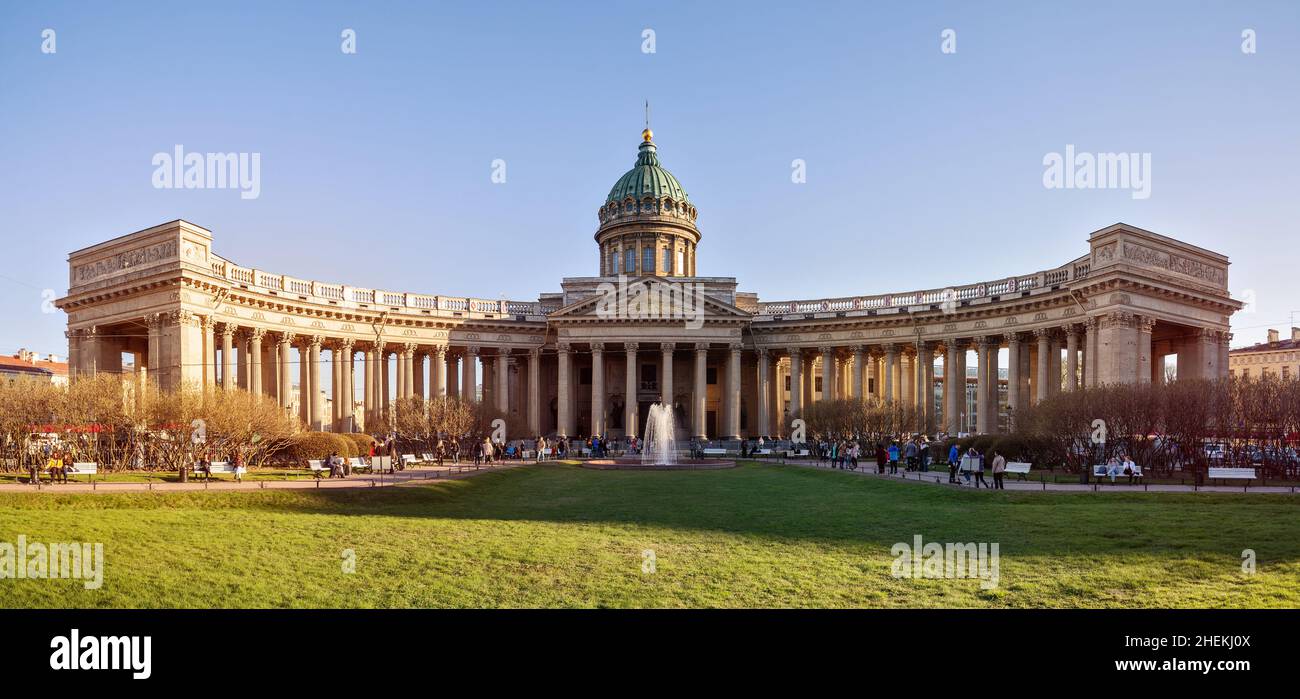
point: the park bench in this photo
(1222, 474)
(357, 463)
(219, 467)
(1020, 468)
(1103, 471)
(407, 460)
(761, 452)
(318, 470)
(426, 456)
(713, 451)
(83, 468)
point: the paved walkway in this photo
(1013, 482)
(411, 474)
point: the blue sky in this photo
(924, 169)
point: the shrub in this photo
(318, 445)
(359, 442)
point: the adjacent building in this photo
(1277, 357)
(26, 364)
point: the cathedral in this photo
(592, 357)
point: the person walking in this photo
(954, 458)
(977, 464)
(893, 458)
(882, 458)
(923, 453)
(999, 467)
(909, 452)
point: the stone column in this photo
(1117, 344)
(1090, 353)
(408, 358)
(368, 364)
(453, 373)
(1013, 378)
(1144, 328)
(438, 372)
(597, 388)
(951, 388)
(255, 353)
(347, 418)
(762, 393)
(304, 382)
(828, 373)
(982, 400)
(891, 370)
(1054, 366)
(336, 389)
(810, 376)
(1044, 337)
(283, 345)
(700, 430)
(631, 385)
(733, 392)
(417, 373)
(859, 387)
(227, 356)
(315, 400)
(401, 372)
(469, 376)
(925, 389)
(503, 382)
(565, 406)
(666, 371)
(905, 382)
(385, 380)
(1072, 357)
(776, 391)
(796, 382)
(535, 391)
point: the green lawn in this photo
(563, 536)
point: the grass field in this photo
(562, 536)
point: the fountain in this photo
(660, 443)
(658, 449)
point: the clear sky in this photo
(924, 168)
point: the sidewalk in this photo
(1013, 482)
(411, 474)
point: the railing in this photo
(1073, 271)
(340, 292)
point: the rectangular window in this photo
(629, 261)
(668, 260)
(681, 262)
(647, 260)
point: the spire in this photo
(647, 135)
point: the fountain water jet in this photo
(660, 437)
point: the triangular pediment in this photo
(648, 299)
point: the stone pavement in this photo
(411, 474)
(1013, 482)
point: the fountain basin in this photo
(633, 463)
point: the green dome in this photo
(647, 179)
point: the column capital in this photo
(534, 352)
(315, 341)
(472, 350)
(346, 344)
(985, 343)
(630, 346)
(228, 330)
(440, 351)
(1012, 338)
(208, 323)
(855, 349)
(1042, 334)
(503, 351)
(1070, 329)
(826, 349)
(286, 338)
(1146, 324)
(596, 348)
(890, 348)
(760, 352)
(735, 347)
(1121, 319)
(667, 346)
(256, 334)
(701, 347)
(562, 347)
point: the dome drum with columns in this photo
(164, 301)
(647, 223)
